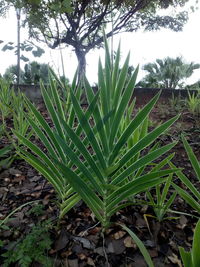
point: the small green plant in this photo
(33, 248)
(192, 258)
(176, 103)
(37, 210)
(18, 107)
(5, 158)
(63, 88)
(192, 199)
(162, 204)
(5, 100)
(193, 103)
(12, 105)
(44, 163)
(5, 220)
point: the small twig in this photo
(104, 250)
(86, 231)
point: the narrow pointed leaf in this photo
(88, 131)
(78, 163)
(88, 195)
(145, 160)
(147, 140)
(195, 246)
(187, 182)
(193, 159)
(136, 122)
(140, 245)
(188, 198)
(130, 187)
(123, 104)
(186, 257)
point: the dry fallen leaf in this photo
(174, 259)
(116, 246)
(183, 222)
(153, 253)
(129, 243)
(82, 256)
(118, 235)
(71, 263)
(90, 262)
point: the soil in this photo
(78, 241)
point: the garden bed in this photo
(32, 231)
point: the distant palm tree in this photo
(168, 73)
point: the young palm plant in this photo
(89, 156)
(44, 161)
(192, 258)
(193, 197)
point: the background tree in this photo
(11, 74)
(32, 74)
(167, 73)
(193, 86)
(79, 23)
(26, 46)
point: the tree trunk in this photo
(18, 13)
(81, 63)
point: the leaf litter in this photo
(78, 240)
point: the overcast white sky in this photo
(144, 46)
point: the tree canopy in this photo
(79, 23)
(168, 73)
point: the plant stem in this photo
(104, 250)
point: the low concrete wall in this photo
(33, 92)
(143, 95)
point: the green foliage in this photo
(32, 74)
(194, 86)
(192, 199)
(177, 103)
(5, 158)
(193, 103)
(5, 220)
(106, 169)
(53, 21)
(37, 210)
(112, 173)
(168, 73)
(33, 247)
(12, 106)
(20, 123)
(140, 245)
(10, 74)
(25, 47)
(162, 204)
(192, 258)
(44, 163)
(5, 99)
